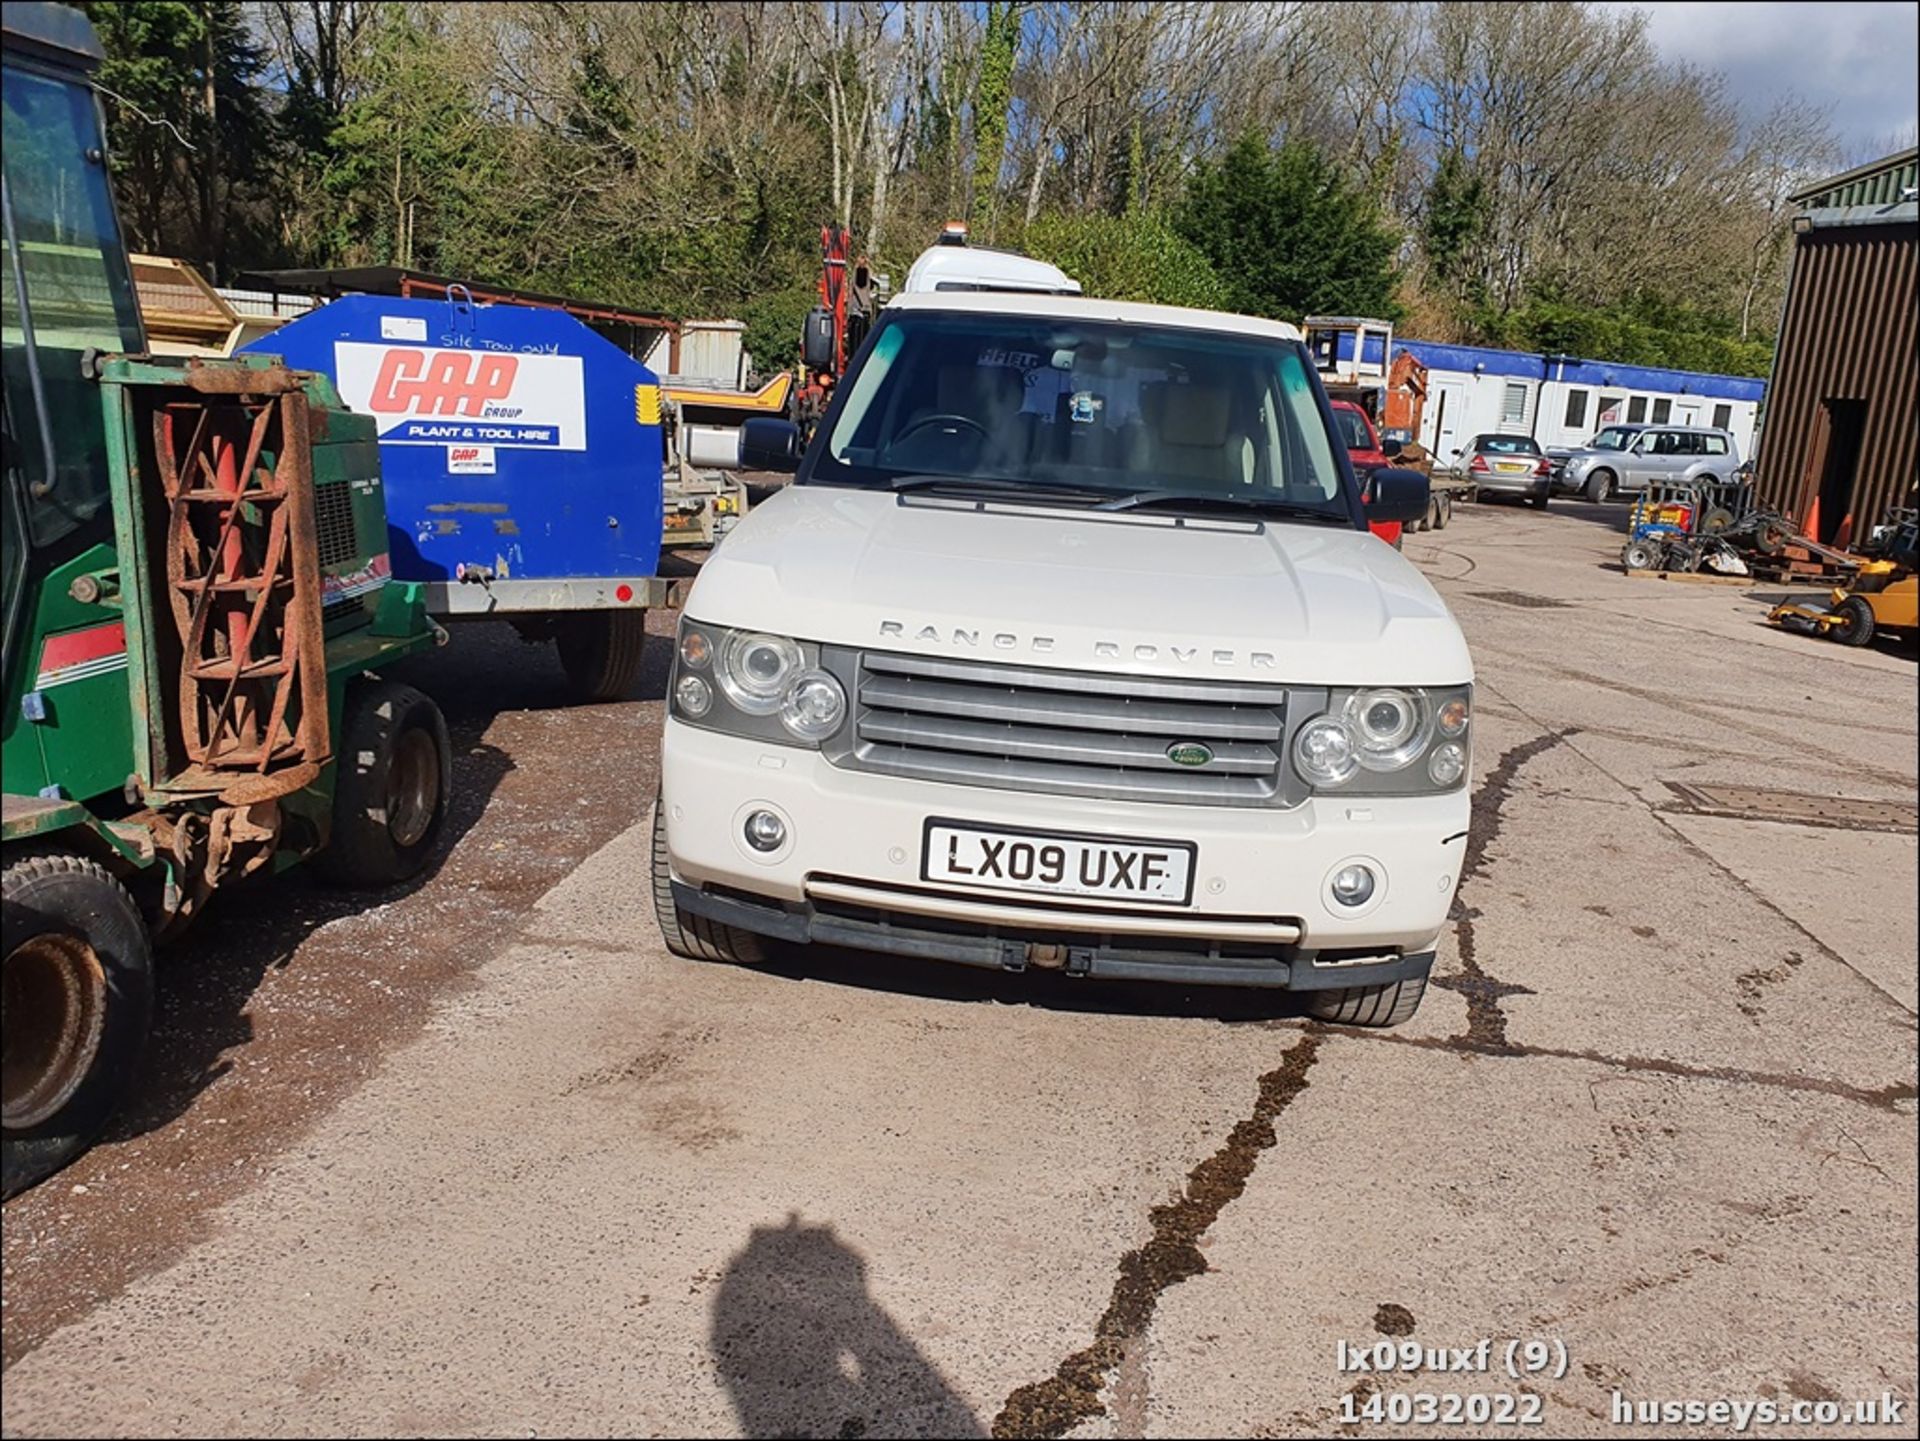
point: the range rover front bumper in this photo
(849, 872)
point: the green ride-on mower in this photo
(196, 588)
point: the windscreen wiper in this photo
(1172, 499)
(1001, 486)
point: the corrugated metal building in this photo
(1840, 441)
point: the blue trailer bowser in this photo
(522, 458)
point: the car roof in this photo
(1079, 307)
(1664, 425)
(980, 267)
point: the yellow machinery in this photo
(1884, 595)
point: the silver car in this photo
(1508, 465)
(1626, 459)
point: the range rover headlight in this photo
(1387, 740)
(1391, 726)
(752, 683)
(756, 670)
(1324, 752)
(814, 706)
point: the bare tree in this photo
(1792, 147)
(318, 43)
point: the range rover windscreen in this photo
(1116, 416)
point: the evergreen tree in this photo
(190, 132)
(991, 97)
(1456, 219)
(1288, 234)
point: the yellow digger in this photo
(1883, 596)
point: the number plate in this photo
(963, 854)
(1511, 467)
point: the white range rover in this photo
(1069, 647)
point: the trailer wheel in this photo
(1386, 1005)
(1443, 511)
(695, 938)
(1855, 623)
(601, 651)
(392, 781)
(76, 972)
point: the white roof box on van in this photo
(952, 264)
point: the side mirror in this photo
(1395, 494)
(769, 444)
(1391, 448)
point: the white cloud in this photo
(1860, 60)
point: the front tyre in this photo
(76, 1004)
(1855, 626)
(694, 938)
(1599, 486)
(393, 776)
(1377, 1006)
(1639, 555)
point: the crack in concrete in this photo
(1486, 1020)
(1052, 1407)
(1880, 1098)
(1170, 1255)
(1766, 903)
(1722, 714)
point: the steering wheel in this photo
(927, 420)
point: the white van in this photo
(1069, 647)
(951, 264)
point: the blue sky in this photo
(1860, 60)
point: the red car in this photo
(1363, 449)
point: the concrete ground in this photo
(487, 1160)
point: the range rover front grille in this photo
(1067, 732)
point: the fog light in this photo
(693, 695)
(1446, 764)
(1353, 885)
(765, 831)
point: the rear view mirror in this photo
(769, 444)
(1395, 494)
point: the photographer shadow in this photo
(804, 1349)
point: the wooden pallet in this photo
(1755, 581)
(1692, 577)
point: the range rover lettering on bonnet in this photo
(1102, 649)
